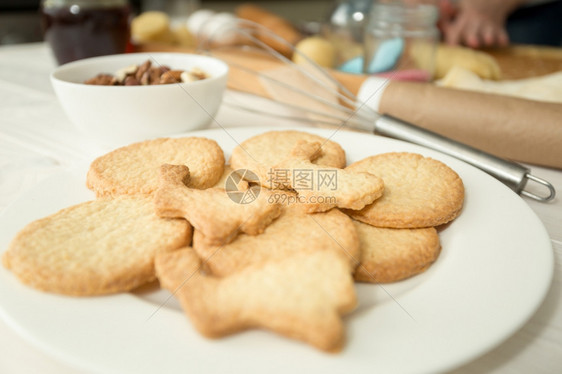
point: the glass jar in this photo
(77, 29)
(345, 29)
(401, 40)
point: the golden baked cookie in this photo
(390, 255)
(324, 187)
(292, 233)
(262, 152)
(418, 191)
(98, 247)
(232, 180)
(302, 297)
(135, 168)
(212, 211)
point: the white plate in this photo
(494, 271)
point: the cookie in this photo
(419, 191)
(232, 180)
(390, 255)
(135, 168)
(262, 152)
(292, 233)
(98, 247)
(324, 187)
(214, 212)
(302, 297)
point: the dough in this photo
(479, 63)
(319, 50)
(545, 88)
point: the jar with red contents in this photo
(77, 29)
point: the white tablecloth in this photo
(37, 140)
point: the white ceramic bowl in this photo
(116, 115)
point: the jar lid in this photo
(84, 3)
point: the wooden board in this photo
(525, 61)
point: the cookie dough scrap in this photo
(479, 62)
(98, 247)
(301, 297)
(390, 255)
(212, 211)
(325, 187)
(419, 191)
(293, 233)
(134, 168)
(262, 152)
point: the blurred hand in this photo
(476, 23)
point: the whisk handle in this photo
(510, 173)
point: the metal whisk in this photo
(308, 93)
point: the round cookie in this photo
(262, 152)
(419, 191)
(294, 232)
(135, 168)
(98, 247)
(390, 255)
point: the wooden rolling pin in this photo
(271, 21)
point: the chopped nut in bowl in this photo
(146, 74)
(119, 99)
